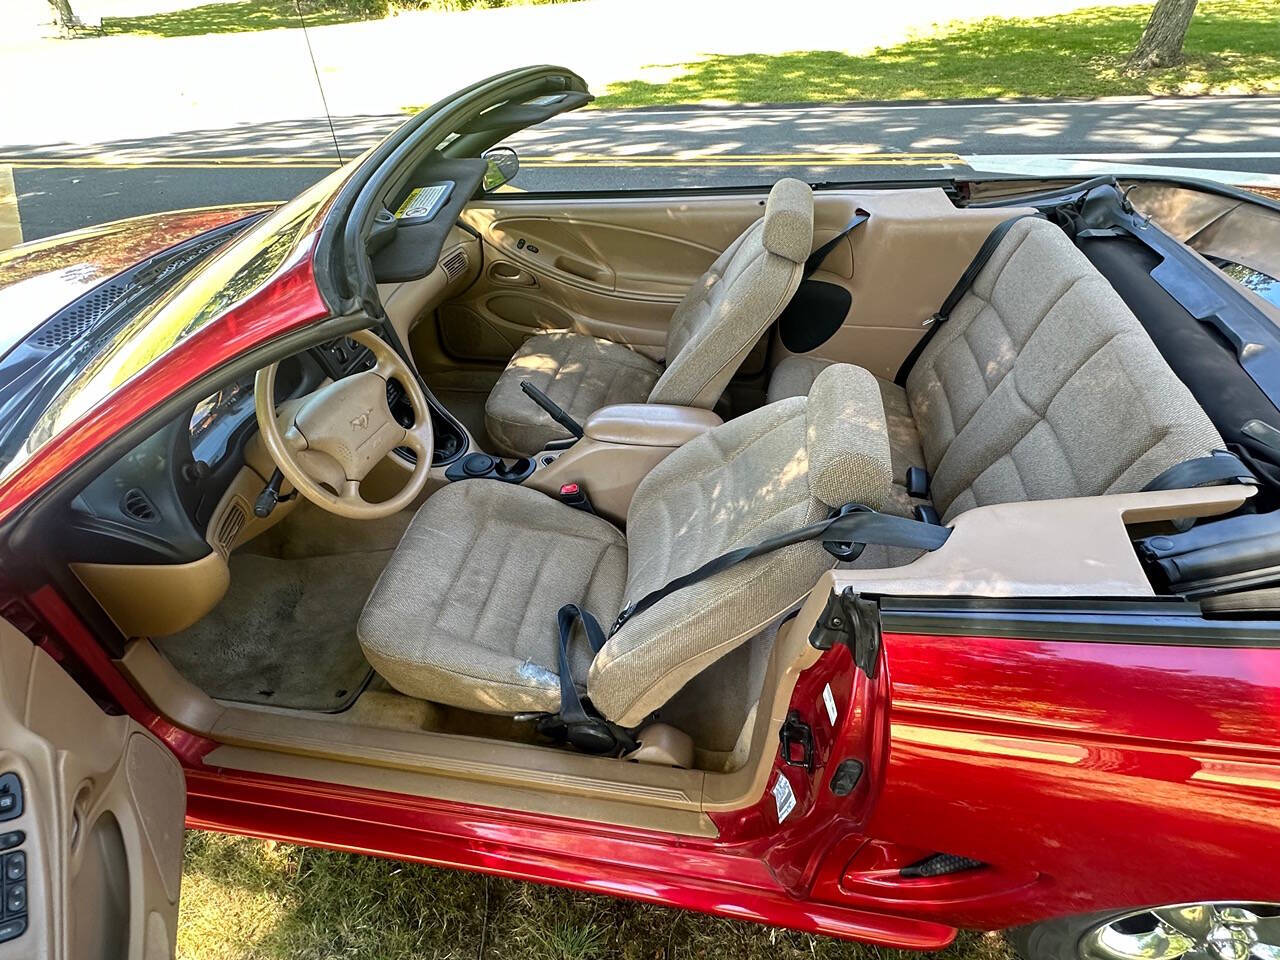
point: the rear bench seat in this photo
(1042, 385)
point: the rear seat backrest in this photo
(1043, 385)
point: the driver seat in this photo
(712, 330)
(465, 612)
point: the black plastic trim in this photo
(1172, 622)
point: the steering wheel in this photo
(340, 432)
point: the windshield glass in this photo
(78, 379)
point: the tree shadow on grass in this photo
(247, 16)
(1233, 47)
(244, 16)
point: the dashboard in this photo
(155, 503)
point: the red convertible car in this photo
(875, 559)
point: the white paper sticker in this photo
(783, 796)
(829, 701)
(423, 201)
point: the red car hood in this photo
(37, 279)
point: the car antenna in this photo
(316, 70)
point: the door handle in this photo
(501, 271)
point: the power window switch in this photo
(10, 796)
(11, 929)
(11, 839)
(15, 866)
(15, 898)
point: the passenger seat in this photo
(720, 319)
(1042, 385)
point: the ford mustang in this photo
(873, 559)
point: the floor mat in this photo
(285, 633)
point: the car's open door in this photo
(91, 816)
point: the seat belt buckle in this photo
(930, 321)
(918, 482)
(572, 495)
(927, 513)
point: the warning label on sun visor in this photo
(423, 202)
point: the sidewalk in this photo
(149, 86)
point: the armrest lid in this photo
(649, 424)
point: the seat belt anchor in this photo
(846, 550)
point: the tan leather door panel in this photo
(611, 268)
(102, 808)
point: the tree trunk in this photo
(65, 16)
(1161, 43)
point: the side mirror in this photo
(504, 164)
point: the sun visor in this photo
(526, 113)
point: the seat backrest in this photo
(730, 306)
(1044, 385)
(775, 469)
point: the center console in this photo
(619, 446)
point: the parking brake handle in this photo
(553, 409)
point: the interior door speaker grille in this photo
(467, 334)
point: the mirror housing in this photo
(504, 164)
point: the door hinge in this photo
(853, 620)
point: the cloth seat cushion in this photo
(774, 469)
(465, 611)
(1042, 385)
(794, 377)
(580, 373)
(720, 319)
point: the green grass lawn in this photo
(253, 900)
(244, 16)
(1233, 46)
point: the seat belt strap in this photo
(585, 729)
(571, 708)
(957, 293)
(815, 259)
(843, 535)
(1221, 466)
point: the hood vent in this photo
(455, 265)
(72, 323)
(138, 505)
(79, 318)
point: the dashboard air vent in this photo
(138, 505)
(455, 264)
(229, 526)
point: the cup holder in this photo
(481, 466)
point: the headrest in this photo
(788, 220)
(847, 436)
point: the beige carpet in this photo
(285, 633)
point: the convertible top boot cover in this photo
(712, 330)
(1042, 385)
(465, 611)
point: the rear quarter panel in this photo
(1122, 773)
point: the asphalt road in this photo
(58, 187)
